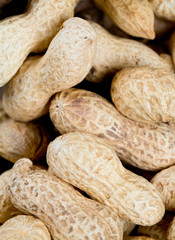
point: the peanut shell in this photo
(146, 146)
(66, 213)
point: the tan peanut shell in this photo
(24, 227)
(66, 213)
(157, 231)
(3, 115)
(144, 94)
(127, 227)
(134, 17)
(164, 9)
(90, 164)
(19, 140)
(7, 210)
(30, 32)
(114, 53)
(138, 238)
(171, 230)
(147, 146)
(65, 64)
(164, 181)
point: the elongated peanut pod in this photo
(144, 94)
(7, 210)
(66, 213)
(147, 146)
(65, 64)
(134, 17)
(164, 9)
(89, 163)
(24, 227)
(19, 140)
(171, 230)
(164, 181)
(30, 32)
(114, 53)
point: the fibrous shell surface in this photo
(159, 230)
(164, 9)
(164, 181)
(114, 53)
(65, 64)
(30, 32)
(19, 140)
(24, 227)
(144, 94)
(134, 17)
(66, 213)
(7, 210)
(89, 163)
(147, 146)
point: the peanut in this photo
(66, 213)
(127, 227)
(19, 140)
(66, 63)
(164, 8)
(171, 230)
(7, 210)
(147, 146)
(144, 94)
(157, 231)
(114, 53)
(134, 17)
(30, 32)
(24, 227)
(164, 181)
(89, 163)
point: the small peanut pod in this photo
(134, 17)
(66, 213)
(89, 163)
(164, 181)
(24, 227)
(157, 231)
(30, 32)
(19, 140)
(144, 94)
(114, 53)
(7, 210)
(164, 9)
(138, 238)
(65, 64)
(147, 146)
(171, 230)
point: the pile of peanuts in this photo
(87, 120)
